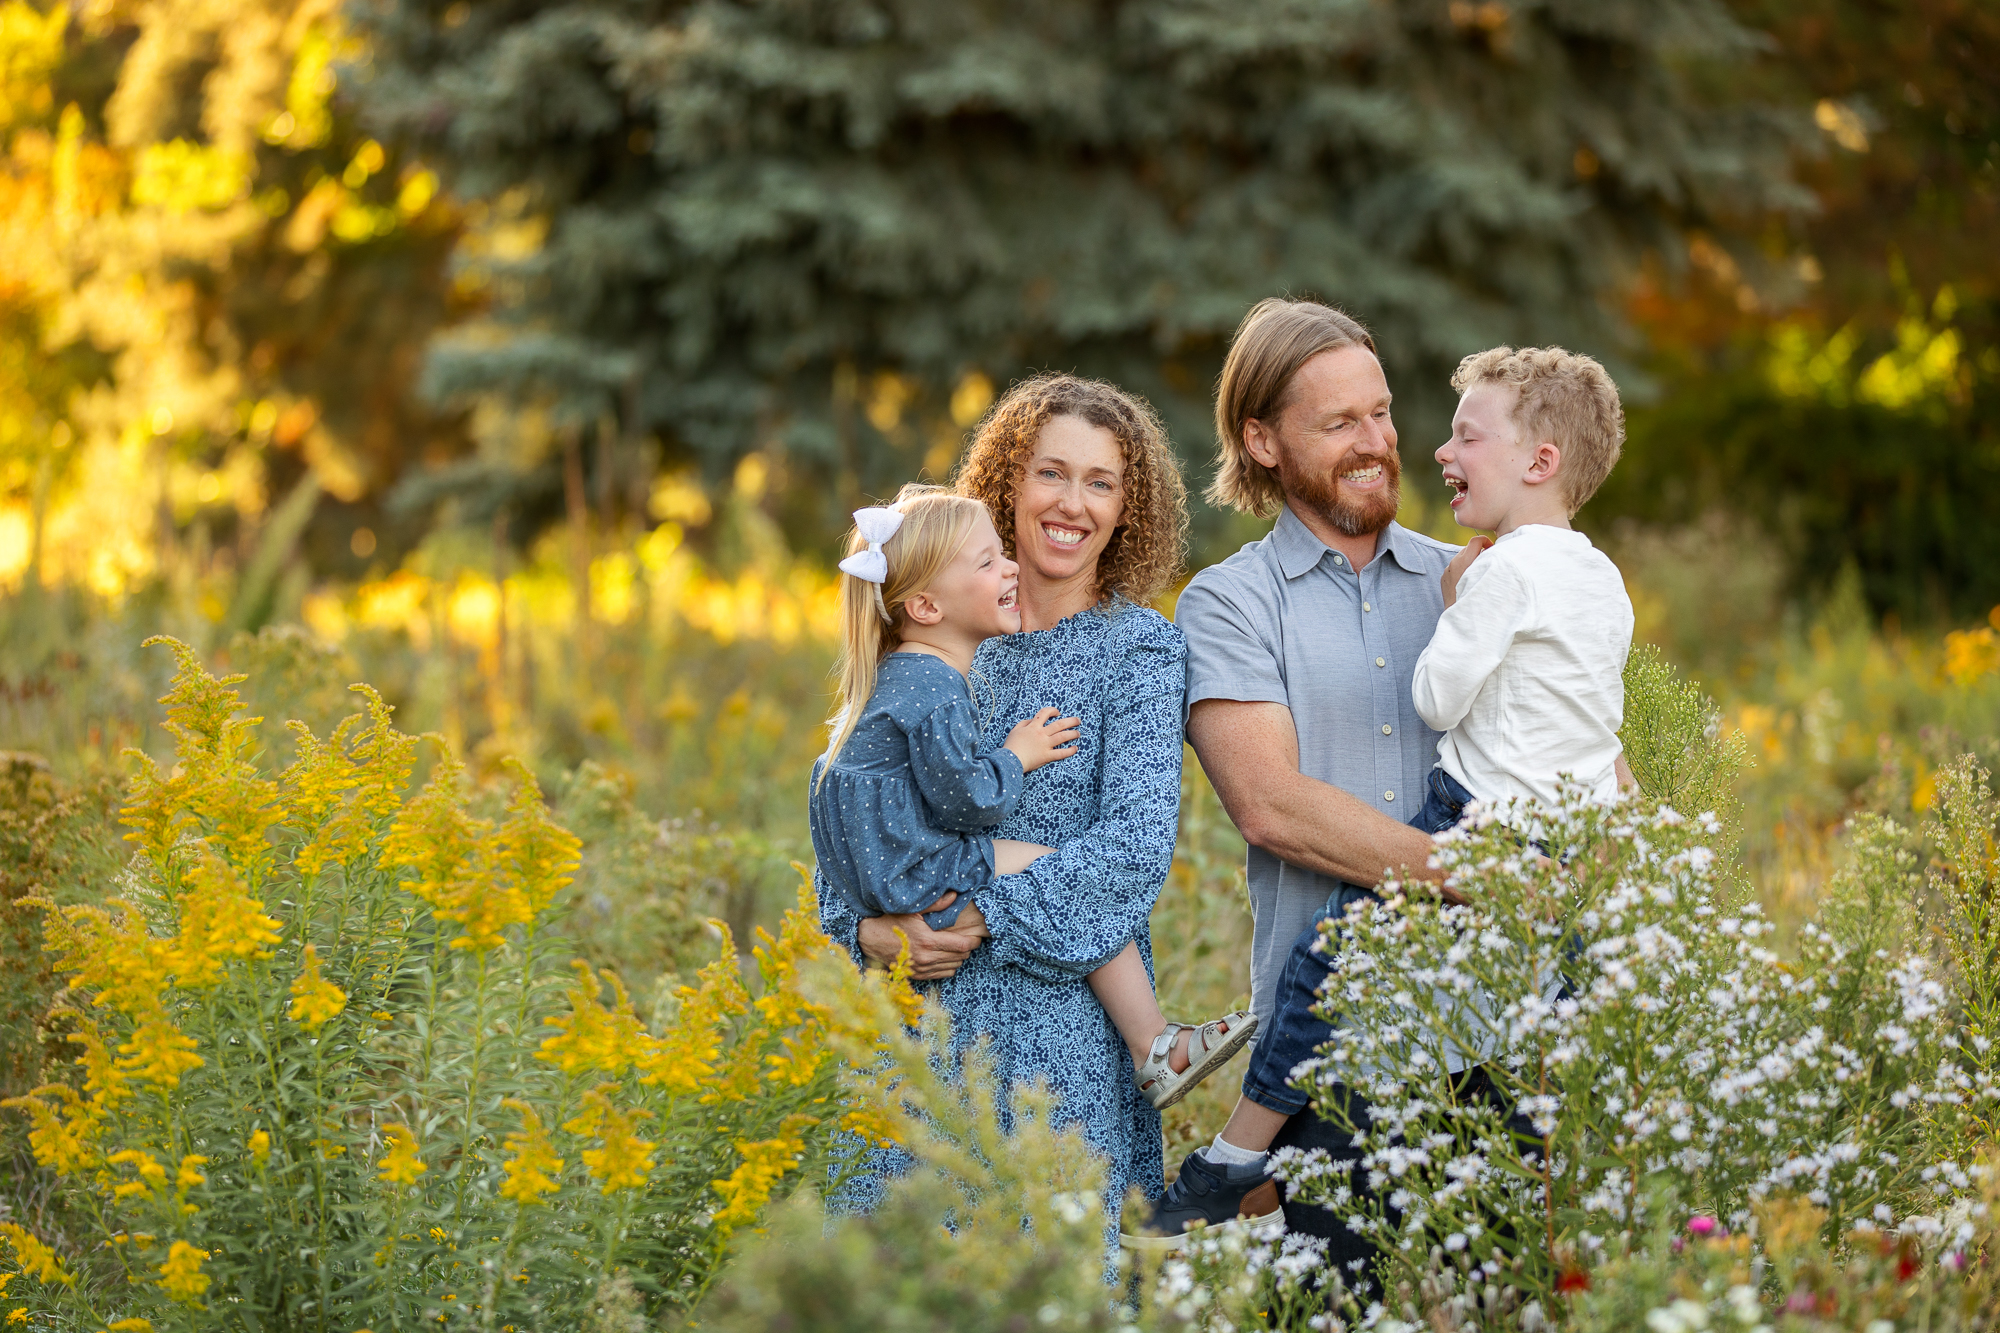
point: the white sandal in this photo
(1209, 1048)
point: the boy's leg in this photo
(1227, 1178)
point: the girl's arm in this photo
(967, 792)
(1074, 909)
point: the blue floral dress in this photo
(1111, 811)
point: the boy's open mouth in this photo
(1459, 486)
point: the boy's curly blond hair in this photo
(1565, 398)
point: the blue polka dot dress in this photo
(1111, 811)
(901, 815)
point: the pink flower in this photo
(1702, 1226)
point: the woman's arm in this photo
(1074, 909)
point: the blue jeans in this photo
(1296, 1032)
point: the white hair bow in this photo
(876, 525)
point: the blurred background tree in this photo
(824, 232)
(217, 292)
(1833, 375)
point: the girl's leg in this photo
(1126, 993)
(1011, 857)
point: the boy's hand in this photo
(1459, 564)
(1038, 740)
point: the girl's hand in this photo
(1038, 740)
(934, 954)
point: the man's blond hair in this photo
(1277, 337)
(1563, 397)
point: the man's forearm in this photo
(1319, 827)
(1250, 752)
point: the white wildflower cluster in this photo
(1632, 1039)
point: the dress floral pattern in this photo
(1111, 811)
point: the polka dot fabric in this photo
(1111, 811)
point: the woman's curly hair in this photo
(1147, 549)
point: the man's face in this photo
(1335, 443)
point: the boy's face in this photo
(1495, 475)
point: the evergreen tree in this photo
(823, 230)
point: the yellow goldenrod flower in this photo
(538, 855)
(534, 1157)
(181, 1276)
(622, 1160)
(59, 1135)
(5, 1278)
(259, 1145)
(315, 1000)
(219, 920)
(33, 1257)
(18, 1315)
(187, 1177)
(159, 1052)
(683, 1061)
(592, 1037)
(765, 1163)
(399, 1162)
(134, 1325)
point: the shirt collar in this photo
(1298, 550)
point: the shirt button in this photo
(1339, 561)
(1388, 796)
(1366, 607)
(1381, 661)
(1385, 728)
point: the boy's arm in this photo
(1472, 639)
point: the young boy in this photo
(1524, 676)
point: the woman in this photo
(1088, 498)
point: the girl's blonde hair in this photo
(935, 526)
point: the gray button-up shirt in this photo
(1287, 620)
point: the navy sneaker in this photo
(1204, 1195)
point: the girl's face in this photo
(976, 590)
(1072, 498)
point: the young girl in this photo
(903, 800)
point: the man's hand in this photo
(1459, 564)
(934, 954)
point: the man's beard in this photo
(1319, 491)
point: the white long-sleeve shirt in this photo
(1525, 675)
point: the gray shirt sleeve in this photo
(1230, 652)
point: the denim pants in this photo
(1296, 1032)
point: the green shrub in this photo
(332, 1078)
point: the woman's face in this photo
(1072, 498)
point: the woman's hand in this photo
(934, 954)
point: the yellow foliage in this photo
(219, 920)
(531, 1158)
(593, 1038)
(181, 177)
(181, 1276)
(1970, 654)
(765, 1163)
(400, 1164)
(315, 1000)
(684, 1061)
(622, 1160)
(34, 1258)
(31, 47)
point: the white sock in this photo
(1224, 1153)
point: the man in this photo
(1300, 652)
